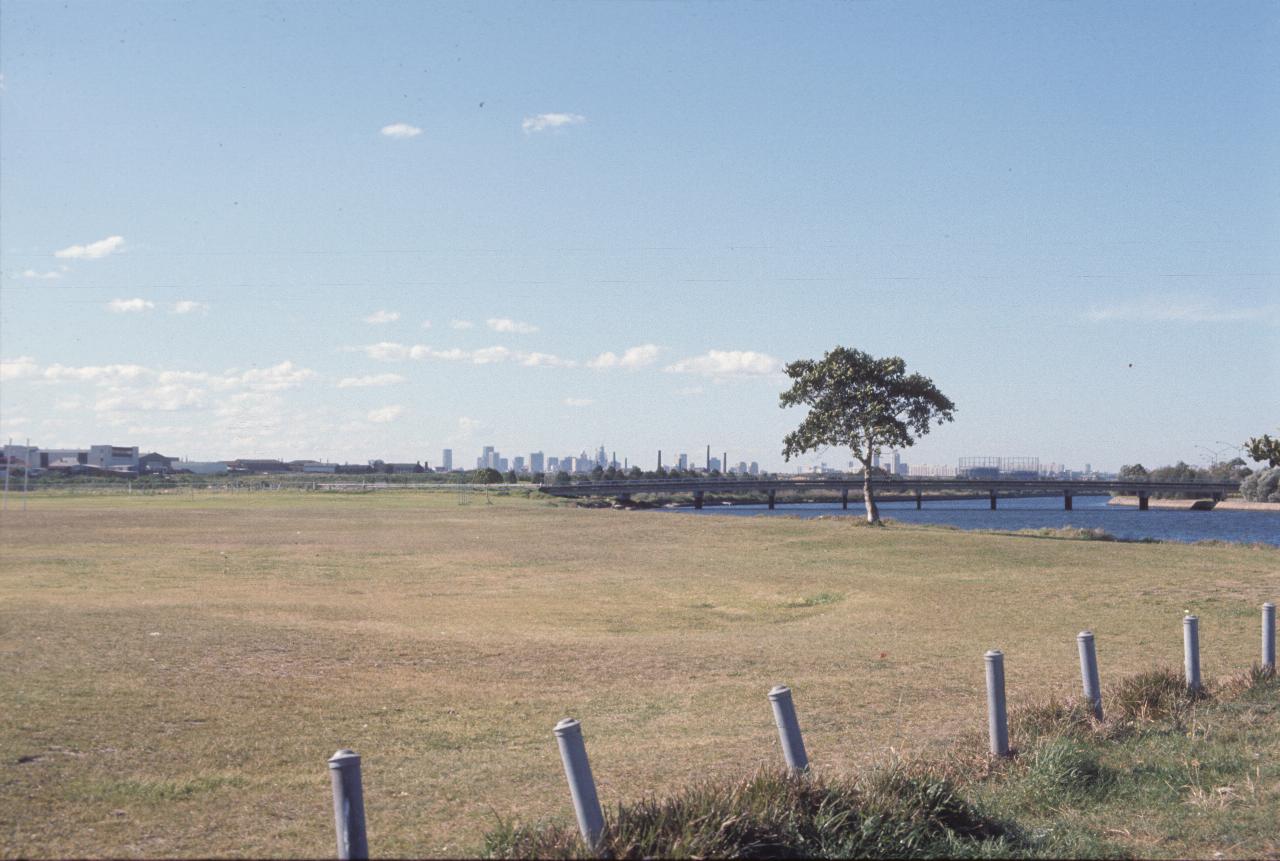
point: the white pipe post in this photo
(784, 715)
(997, 716)
(1089, 672)
(1269, 636)
(1191, 651)
(348, 806)
(582, 786)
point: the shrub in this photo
(1262, 486)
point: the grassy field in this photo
(176, 670)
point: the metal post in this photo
(1191, 651)
(348, 805)
(993, 499)
(997, 718)
(582, 786)
(1066, 500)
(1269, 636)
(784, 715)
(1089, 671)
(772, 499)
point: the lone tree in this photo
(862, 402)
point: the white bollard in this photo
(582, 786)
(784, 715)
(1089, 672)
(997, 717)
(1191, 651)
(1269, 636)
(348, 806)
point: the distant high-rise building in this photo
(487, 458)
(897, 462)
(713, 465)
(535, 462)
(500, 464)
(602, 459)
(553, 463)
(683, 463)
(517, 463)
(754, 469)
(446, 459)
(875, 459)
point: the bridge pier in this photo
(919, 500)
(993, 499)
(697, 499)
(1066, 500)
(1143, 502)
(844, 499)
(772, 496)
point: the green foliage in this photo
(1134, 472)
(488, 475)
(1264, 449)
(893, 814)
(858, 401)
(1262, 486)
(510, 477)
(562, 478)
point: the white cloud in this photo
(382, 415)
(378, 317)
(426, 324)
(727, 363)
(93, 250)
(385, 351)
(690, 390)
(1178, 311)
(578, 402)
(389, 351)
(542, 122)
(187, 306)
(632, 358)
(95, 373)
(285, 375)
(48, 275)
(370, 381)
(401, 131)
(506, 324)
(130, 306)
(461, 324)
(16, 369)
(543, 360)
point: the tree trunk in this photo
(873, 513)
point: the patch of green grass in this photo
(157, 790)
(815, 600)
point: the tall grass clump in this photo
(893, 814)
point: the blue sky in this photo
(225, 227)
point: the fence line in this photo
(348, 802)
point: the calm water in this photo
(1012, 514)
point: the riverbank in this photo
(1199, 504)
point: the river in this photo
(1090, 512)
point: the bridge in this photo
(993, 488)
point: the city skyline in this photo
(312, 246)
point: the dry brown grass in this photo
(176, 671)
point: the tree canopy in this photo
(1264, 449)
(863, 403)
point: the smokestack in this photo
(659, 458)
(708, 457)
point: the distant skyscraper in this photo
(755, 468)
(683, 463)
(447, 459)
(517, 463)
(553, 463)
(535, 462)
(487, 457)
(713, 464)
(602, 459)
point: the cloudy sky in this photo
(347, 231)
